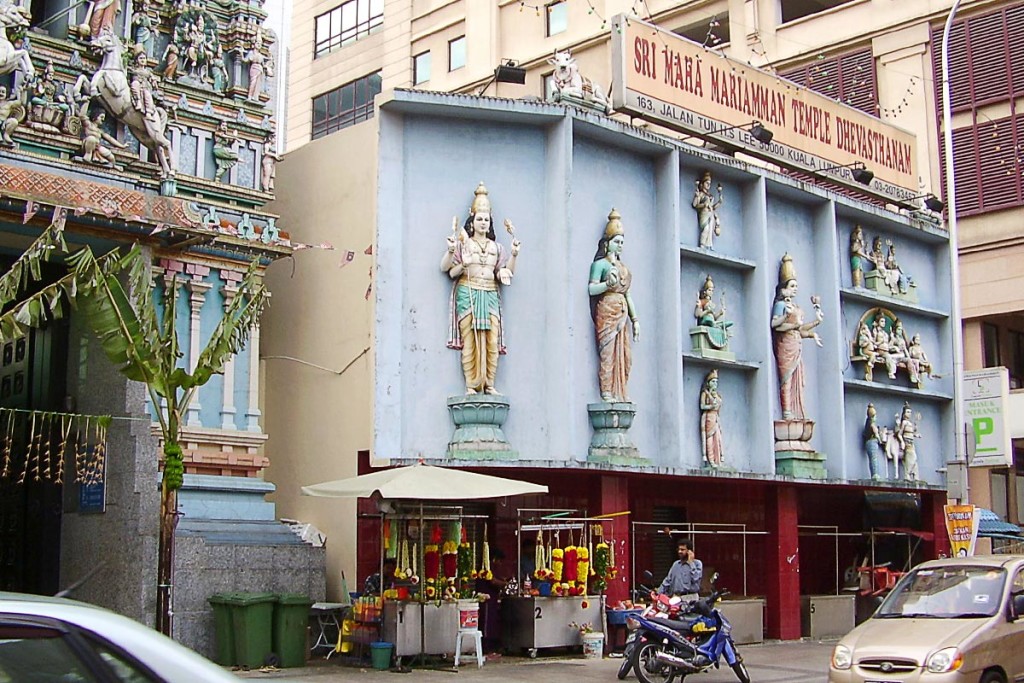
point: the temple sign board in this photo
(675, 82)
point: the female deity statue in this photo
(858, 257)
(707, 211)
(707, 317)
(872, 436)
(710, 425)
(257, 68)
(170, 59)
(477, 263)
(610, 306)
(906, 436)
(788, 332)
(143, 24)
(224, 155)
(101, 15)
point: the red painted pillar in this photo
(783, 563)
(933, 519)
(614, 497)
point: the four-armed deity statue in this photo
(710, 336)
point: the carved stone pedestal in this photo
(873, 280)
(168, 187)
(611, 442)
(478, 435)
(794, 455)
(701, 343)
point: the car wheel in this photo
(992, 677)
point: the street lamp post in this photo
(954, 262)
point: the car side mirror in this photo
(1017, 606)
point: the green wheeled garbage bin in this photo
(252, 617)
(291, 620)
(223, 629)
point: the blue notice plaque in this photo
(93, 497)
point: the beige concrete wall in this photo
(319, 419)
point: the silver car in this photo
(54, 640)
(957, 620)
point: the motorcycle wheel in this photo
(740, 669)
(647, 669)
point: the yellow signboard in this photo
(962, 526)
(673, 81)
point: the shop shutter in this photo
(987, 50)
(959, 74)
(1015, 38)
(997, 165)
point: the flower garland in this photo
(449, 559)
(557, 564)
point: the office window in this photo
(457, 53)
(345, 106)
(557, 17)
(711, 32)
(990, 345)
(549, 86)
(421, 68)
(796, 9)
(1016, 363)
(346, 23)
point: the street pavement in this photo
(800, 661)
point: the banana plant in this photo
(139, 337)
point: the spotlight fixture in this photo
(931, 202)
(507, 72)
(757, 131)
(859, 172)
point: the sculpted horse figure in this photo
(568, 81)
(144, 118)
(12, 58)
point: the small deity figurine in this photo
(101, 15)
(268, 165)
(611, 305)
(707, 210)
(917, 361)
(858, 257)
(883, 347)
(706, 315)
(710, 424)
(478, 264)
(170, 59)
(896, 279)
(906, 434)
(143, 25)
(257, 69)
(142, 85)
(47, 96)
(219, 73)
(93, 137)
(224, 156)
(788, 332)
(8, 122)
(873, 440)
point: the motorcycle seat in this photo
(682, 624)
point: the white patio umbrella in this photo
(423, 482)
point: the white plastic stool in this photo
(477, 639)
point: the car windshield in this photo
(954, 592)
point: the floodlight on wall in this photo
(860, 173)
(931, 202)
(757, 131)
(507, 72)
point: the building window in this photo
(990, 345)
(797, 9)
(712, 32)
(457, 53)
(1016, 360)
(346, 23)
(421, 68)
(557, 17)
(986, 75)
(549, 86)
(345, 106)
(848, 78)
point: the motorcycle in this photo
(664, 649)
(661, 606)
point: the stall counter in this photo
(402, 627)
(532, 623)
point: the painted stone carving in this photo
(268, 165)
(859, 259)
(710, 423)
(170, 60)
(793, 453)
(219, 73)
(895, 445)
(13, 56)
(224, 154)
(905, 435)
(881, 340)
(257, 68)
(93, 137)
(49, 108)
(887, 276)
(613, 312)
(99, 17)
(478, 265)
(706, 205)
(142, 28)
(873, 439)
(570, 86)
(110, 85)
(12, 113)
(710, 336)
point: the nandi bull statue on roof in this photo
(568, 86)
